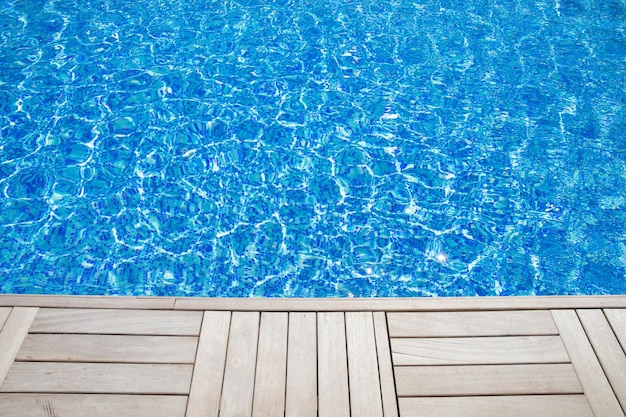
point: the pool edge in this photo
(316, 304)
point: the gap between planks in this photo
(12, 335)
(592, 378)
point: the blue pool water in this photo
(313, 147)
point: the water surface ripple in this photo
(296, 148)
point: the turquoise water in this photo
(297, 148)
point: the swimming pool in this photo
(298, 148)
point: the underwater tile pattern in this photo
(298, 148)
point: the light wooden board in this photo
(104, 378)
(505, 406)
(597, 389)
(12, 335)
(208, 372)
(88, 301)
(4, 314)
(429, 381)
(481, 323)
(238, 388)
(481, 304)
(301, 397)
(138, 322)
(365, 395)
(317, 304)
(607, 349)
(617, 319)
(334, 398)
(478, 350)
(402, 304)
(108, 348)
(91, 405)
(271, 371)
(385, 366)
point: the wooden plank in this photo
(505, 406)
(617, 319)
(334, 397)
(440, 304)
(12, 335)
(402, 304)
(91, 405)
(301, 391)
(607, 349)
(365, 395)
(98, 321)
(4, 314)
(88, 301)
(385, 366)
(482, 323)
(208, 373)
(319, 304)
(597, 389)
(108, 348)
(238, 388)
(427, 381)
(271, 371)
(479, 350)
(101, 378)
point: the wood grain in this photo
(301, 396)
(385, 366)
(597, 388)
(4, 314)
(137, 322)
(334, 397)
(607, 349)
(271, 371)
(104, 378)
(365, 395)
(12, 335)
(238, 388)
(617, 319)
(428, 381)
(442, 304)
(108, 348)
(88, 301)
(112, 359)
(504, 406)
(476, 323)
(318, 304)
(478, 350)
(208, 372)
(91, 405)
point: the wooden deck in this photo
(158, 357)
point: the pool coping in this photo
(316, 304)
